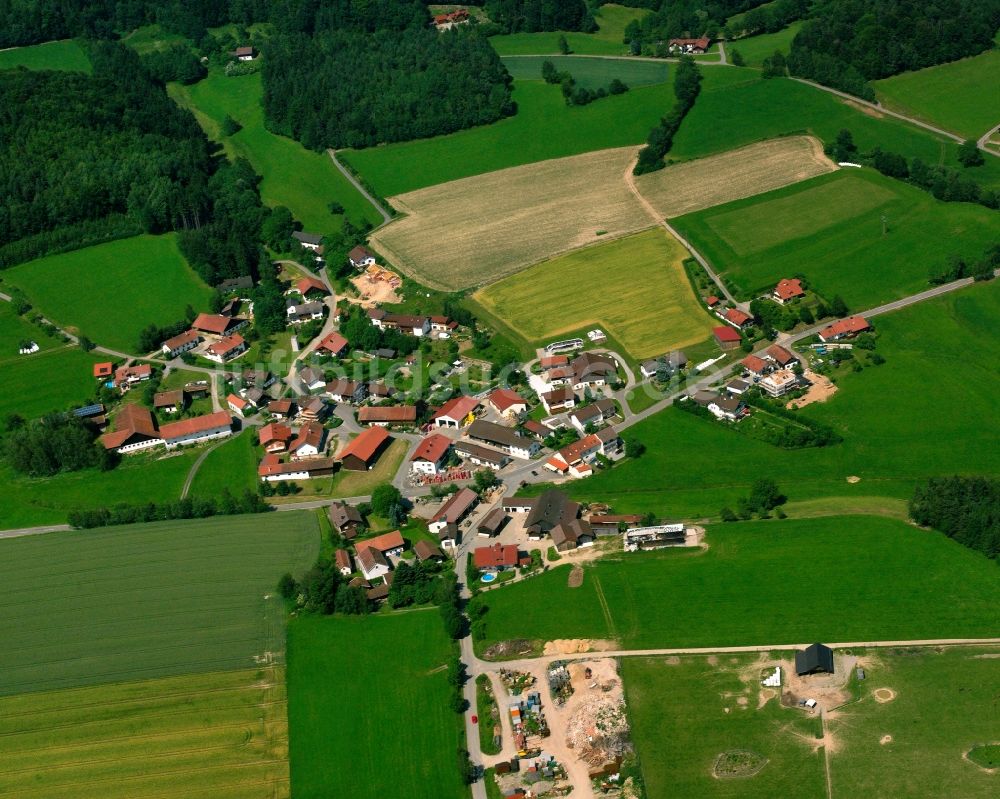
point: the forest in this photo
(683, 18)
(964, 508)
(530, 16)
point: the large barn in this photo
(815, 659)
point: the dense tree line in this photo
(964, 508)
(362, 335)
(530, 16)
(803, 432)
(188, 508)
(680, 19)
(578, 95)
(768, 18)
(343, 89)
(419, 584)
(846, 43)
(957, 267)
(323, 589)
(177, 63)
(55, 443)
(687, 85)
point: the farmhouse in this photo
(238, 404)
(595, 413)
(334, 344)
(274, 437)
(226, 349)
(362, 453)
(342, 558)
(558, 399)
(454, 509)
(304, 312)
(345, 519)
(495, 558)
(815, 659)
(312, 378)
(571, 534)
(726, 338)
(217, 325)
(128, 376)
(693, 46)
(187, 340)
(310, 241)
(546, 511)
(372, 563)
(135, 429)
(169, 401)
(507, 403)
(430, 454)
(311, 285)
(346, 391)
(736, 317)
(593, 369)
(442, 324)
(756, 366)
(309, 443)
(244, 53)
(504, 438)
(360, 257)
(456, 412)
(844, 328)
(282, 408)
(493, 523)
(390, 415)
(779, 383)
(788, 290)
(780, 356)
(481, 456)
(272, 469)
(196, 430)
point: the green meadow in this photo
(150, 600)
(232, 465)
(590, 73)
(779, 582)
(368, 708)
(954, 96)
(607, 40)
(830, 229)
(63, 56)
(305, 182)
(110, 292)
(755, 49)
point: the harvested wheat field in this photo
(475, 230)
(696, 185)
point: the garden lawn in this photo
(347, 483)
(368, 708)
(685, 714)
(591, 73)
(217, 734)
(607, 40)
(110, 292)
(149, 600)
(829, 229)
(648, 306)
(62, 56)
(757, 584)
(305, 182)
(945, 705)
(954, 96)
(232, 465)
(755, 49)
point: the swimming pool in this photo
(489, 577)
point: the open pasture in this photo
(830, 229)
(755, 169)
(149, 600)
(953, 96)
(757, 583)
(476, 230)
(368, 708)
(191, 737)
(14, 329)
(755, 49)
(590, 73)
(110, 292)
(54, 379)
(232, 465)
(607, 40)
(62, 56)
(635, 288)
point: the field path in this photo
(386, 216)
(984, 140)
(197, 464)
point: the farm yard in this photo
(590, 73)
(830, 229)
(145, 601)
(899, 583)
(142, 280)
(950, 95)
(755, 169)
(64, 56)
(607, 40)
(504, 221)
(648, 307)
(372, 724)
(215, 734)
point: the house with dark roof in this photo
(360, 257)
(346, 391)
(493, 523)
(596, 413)
(481, 456)
(455, 508)
(592, 369)
(571, 534)
(503, 438)
(781, 356)
(311, 241)
(547, 510)
(169, 401)
(187, 340)
(345, 519)
(558, 399)
(312, 378)
(814, 659)
(425, 550)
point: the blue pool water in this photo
(489, 577)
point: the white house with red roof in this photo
(309, 441)
(334, 343)
(507, 403)
(456, 412)
(186, 341)
(736, 318)
(845, 328)
(238, 405)
(430, 455)
(787, 290)
(196, 430)
(226, 349)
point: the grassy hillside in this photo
(830, 229)
(110, 292)
(304, 181)
(64, 56)
(772, 582)
(144, 601)
(231, 465)
(756, 48)
(611, 20)
(591, 73)
(954, 96)
(368, 708)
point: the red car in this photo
(475, 719)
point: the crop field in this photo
(607, 40)
(653, 310)
(882, 580)
(365, 725)
(190, 737)
(755, 49)
(131, 283)
(830, 229)
(476, 230)
(590, 73)
(951, 95)
(145, 601)
(755, 169)
(687, 711)
(63, 56)
(231, 465)
(304, 181)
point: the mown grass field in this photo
(305, 182)
(63, 56)
(896, 429)
(954, 96)
(591, 73)
(14, 329)
(145, 601)
(945, 705)
(830, 229)
(759, 583)
(504, 221)
(110, 292)
(55, 379)
(608, 40)
(355, 484)
(634, 287)
(756, 48)
(191, 737)
(368, 708)
(231, 465)
(680, 726)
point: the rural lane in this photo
(984, 140)
(386, 216)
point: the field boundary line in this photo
(604, 607)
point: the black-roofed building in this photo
(549, 509)
(815, 659)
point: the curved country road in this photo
(386, 216)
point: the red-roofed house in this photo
(274, 437)
(389, 415)
(309, 441)
(495, 558)
(726, 337)
(273, 469)
(756, 366)
(456, 412)
(226, 349)
(335, 344)
(780, 355)
(362, 453)
(187, 340)
(198, 429)
(104, 370)
(507, 403)
(699, 45)
(217, 325)
(711, 301)
(311, 285)
(343, 560)
(389, 544)
(787, 290)
(135, 429)
(430, 454)
(128, 376)
(238, 405)
(737, 318)
(845, 328)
